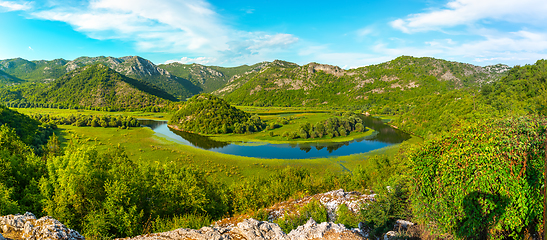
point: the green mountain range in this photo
(93, 86)
(34, 71)
(132, 66)
(287, 84)
(277, 83)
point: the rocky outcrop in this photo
(334, 70)
(251, 229)
(28, 227)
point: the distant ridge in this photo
(281, 83)
(142, 69)
(99, 86)
(131, 66)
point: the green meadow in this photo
(143, 145)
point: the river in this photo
(384, 136)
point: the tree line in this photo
(88, 120)
(332, 127)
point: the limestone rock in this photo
(402, 225)
(325, 230)
(258, 230)
(390, 235)
(28, 227)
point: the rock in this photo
(259, 230)
(27, 227)
(251, 229)
(402, 225)
(326, 230)
(390, 235)
(2, 237)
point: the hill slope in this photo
(287, 84)
(99, 86)
(206, 113)
(7, 79)
(131, 66)
(41, 70)
(209, 78)
(142, 69)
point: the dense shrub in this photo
(482, 180)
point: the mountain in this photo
(209, 78)
(142, 69)
(281, 83)
(99, 86)
(131, 66)
(40, 70)
(522, 91)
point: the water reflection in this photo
(384, 136)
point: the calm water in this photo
(383, 137)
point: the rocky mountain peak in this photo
(330, 69)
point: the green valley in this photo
(71, 146)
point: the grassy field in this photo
(142, 145)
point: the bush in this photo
(482, 180)
(193, 221)
(391, 203)
(314, 209)
(345, 216)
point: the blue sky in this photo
(230, 33)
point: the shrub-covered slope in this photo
(522, 91)
(40, 70)
(287, 84)
(7, 79)
(27, 129)
(206, 113)
(100, 86)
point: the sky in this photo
(227, 33)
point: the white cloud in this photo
(189, 27)
(464, 12)
(30, 48)
(15, 5)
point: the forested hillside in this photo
(95, 86)
(44, 71)
(33, 71)
(287, 84)
(206, 113)
(520, 92)
(6, 79)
